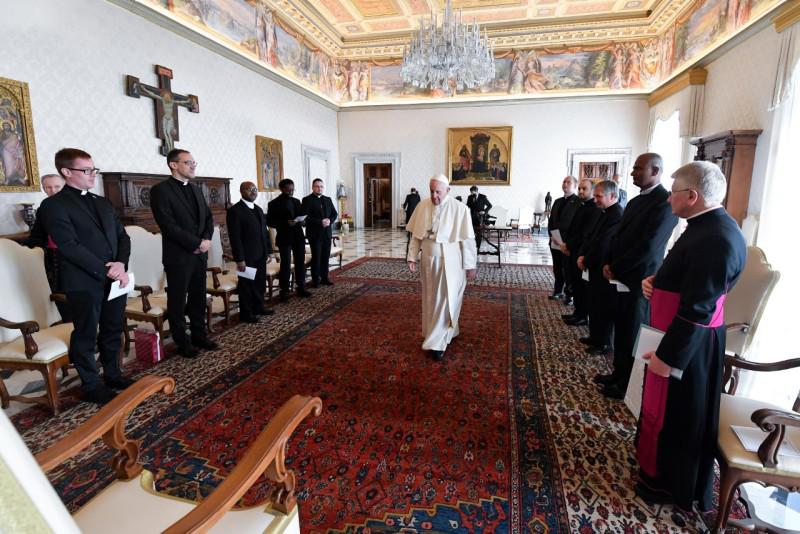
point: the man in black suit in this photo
(412, 199)
(282, 214)
(251, 247)
(602, 294)
(479, 207)
(560, 219)
(320, 216)
(623, 195)
(582, 225)
(93, 251)
(186, 224)
(636, 251)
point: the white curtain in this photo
(788, 56)
(777, 336)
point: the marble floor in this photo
(378, 242)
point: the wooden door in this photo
(377, 195)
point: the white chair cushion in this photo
(736, 411)
(273, 268)
(133, 506)
(227, 282)
(336, 251)
(157, 302)
(53, 342)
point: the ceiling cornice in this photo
(696, 76)
(788, 16)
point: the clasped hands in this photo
(116, 271)
(205, 244)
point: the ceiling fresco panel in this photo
(376, 8)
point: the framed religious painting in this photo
(19, 170)
(269, 163)
(598, 164)
(479, 155)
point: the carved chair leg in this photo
(5, 400)
(121, 352)
(226, 301)
(729, 481)
(269, 289)
(208, 316)
(49, 374)
(65, 372)
(126, 332)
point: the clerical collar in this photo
(649, 189)
(703, 212)
(181, 181)
(82, 192)
(249, 204)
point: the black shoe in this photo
(565, 316)
(567, 301)
(314, 285)
(652, 496)
(586, 341)
(265, 311)
(187, 351)
(437, 355)
(99, 395)
(284, 297)
(303, 293)
(558, 296)
(251, 320)
(598, 350)
(204, 343)
(118, 383)
(613, 391)
(604, 380)
(576, 322)
(327, 283)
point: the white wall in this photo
(543, 131)
(737, 95)
(75, 54)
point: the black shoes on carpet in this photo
(571, 320)
(598, 350)
(204, 343)
(103, 394)
(586, 341)
(437, 355)
(251, 320)
(303, 293)
(193, 350)
(613, 391)
(187, 351)
(119, 383)
(604, 380)
(315, 285)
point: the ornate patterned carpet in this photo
(504, 436)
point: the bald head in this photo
(249, 191)
(647, 170)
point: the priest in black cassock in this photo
(320, 216)
(636, 251)
(677, 435)
(285, 215)
(579, 231)
(251, 247)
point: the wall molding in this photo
(359, 160)
(696, 76)
(788, 15)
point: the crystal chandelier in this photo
(451, 54)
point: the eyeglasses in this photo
(87, 172)
(681, 190)
(189, 163)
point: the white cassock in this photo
(445, 236)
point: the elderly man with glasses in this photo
(186, 224)
(93, 251)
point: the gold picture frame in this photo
(269, 163)
(479, 155)
(19, 169)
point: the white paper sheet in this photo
(585, 275)
(621, 288)
(249, 273)
(117, 291)
(648, 340)
(300, 218)
(555, 239)
(752, 437)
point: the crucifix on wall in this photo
(166, 103)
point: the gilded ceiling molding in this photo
(788, 16)
(695, 76)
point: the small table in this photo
(498, 233)
(770, 508)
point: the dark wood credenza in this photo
(129, 193)
(734, 152)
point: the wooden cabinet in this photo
(129, 193)
(734, 152)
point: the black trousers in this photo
(572, 280)
(478, 235)
(186, 295)
(558, 271)
(320, 257)
(297, 252)
(251, 292)
(632, 310)
(90, 311)
(602, 301)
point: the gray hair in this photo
(574, 180)
(704, 177)
(609, 187)
(48, 176)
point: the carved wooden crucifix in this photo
(166, 103)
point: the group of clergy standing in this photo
(93, 250)
(631, 283)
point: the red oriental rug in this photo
(503, 436)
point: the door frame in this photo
(359, 160)
(307, 153)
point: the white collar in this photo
(649, 189)
(249, 204)
(712, 208)
(182, 182)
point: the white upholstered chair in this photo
(525, 220)
(131, 504)
(501, 215)
(221, 278)
(27, 341)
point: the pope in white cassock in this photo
(441, 228)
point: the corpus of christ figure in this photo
(166, 103)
